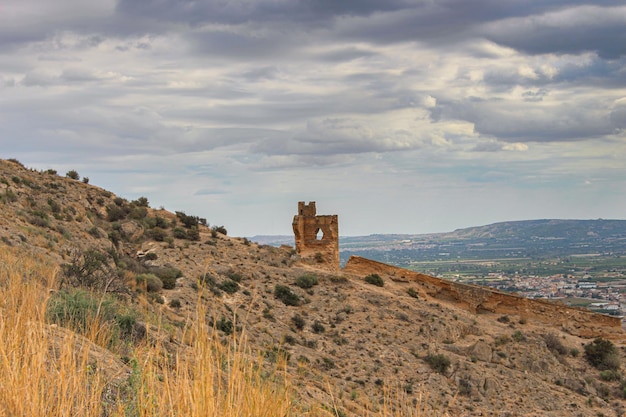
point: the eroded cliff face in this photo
(317, 237)
(576, 321)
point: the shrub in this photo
(193, 234)
(298, 321)
(374, 279)
(138, 213)
(554, 344)
(92, 270)
(284, 294)
(225, 326)
(189, 221)
(502, 340)
(95, 232)
(610, 375)
(306, 281)
(518, 336)
(235, 276)
(141, 202)
(179, 233)
(229, 286)
(208, 280)
(72, 174)
(168, 276)
(158, 234)
(76, 309)
(85, 180)
(150, 281)
(438, 363)
(602, 354)
(219, 229)
(115, 213)
(412, 292)
(318, 327)
(175, 303)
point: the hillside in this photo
(351, 347)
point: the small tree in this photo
(72, 174)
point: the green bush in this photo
(412, 292)
(374, 279)
(179, 233)
(298, 321)
(518, 336)
(175, 303)
(218, 229)
(235, 276)
(306, 281)
(77, 309)
(602, 354)
(115, 213)
(225, 326)
(610, 375)
(438, 363)
(190, 221)
(138, 213)
(72, 174)
(284, 294)
(151, 282)
(318, 327)
(168, 276)
(229, 286)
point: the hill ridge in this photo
(347, 341)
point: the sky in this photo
(400, 116)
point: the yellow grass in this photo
(44, 375)
(47, 371)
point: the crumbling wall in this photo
(477, 299)
(317, 237)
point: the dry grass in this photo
(39, 378)
(44, 375)
(48, 371)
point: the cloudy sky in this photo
(400, 116)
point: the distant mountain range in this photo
(514, 239)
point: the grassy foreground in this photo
(49, 371)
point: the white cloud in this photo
(216, 108)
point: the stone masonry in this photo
(317, 237)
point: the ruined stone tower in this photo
(317, 237)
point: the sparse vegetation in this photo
(298, 321)
(602, 354)
(318, 327)
(306, 281)
(72, 174)
(374, 279)
(151, 282)
(438, 363)
(286, 295)
(228, 286)
(553, 342)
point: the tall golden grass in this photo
(48, 371)
(42, 374)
